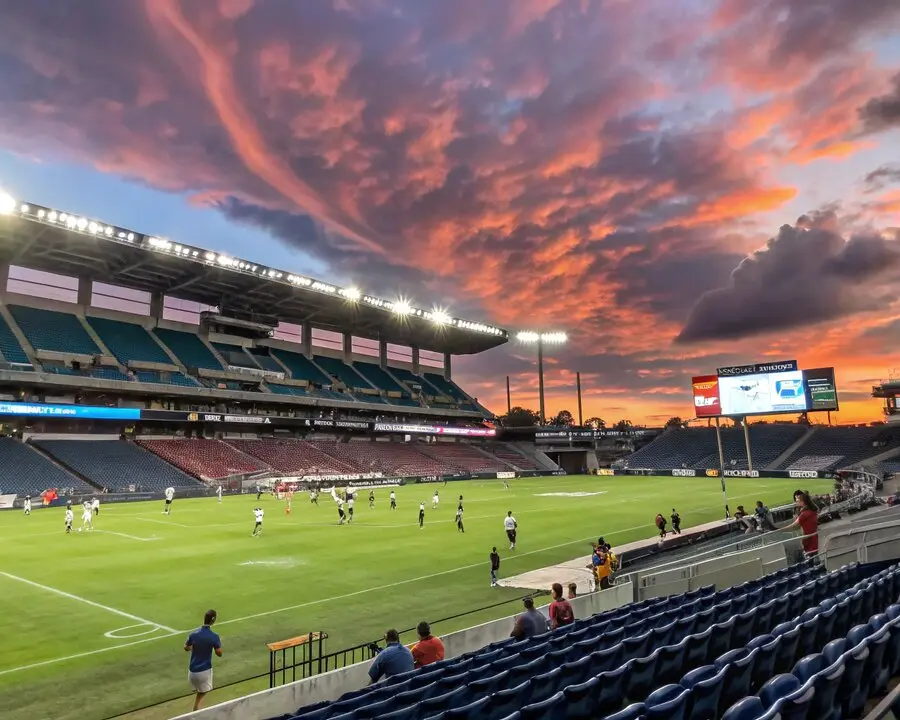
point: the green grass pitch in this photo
(75, 643)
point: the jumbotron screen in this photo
(764, 389)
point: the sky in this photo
(677, 184)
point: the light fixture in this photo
(401, 307)
(351, 293)
(527, 336)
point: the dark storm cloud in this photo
(882, 113)
(885, 175)
(807, 274)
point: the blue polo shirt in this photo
(202, 642)
(393, 660)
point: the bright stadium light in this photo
(531, 337)
(401, 307)
(351, 293)
(7, 203)
(440, 317)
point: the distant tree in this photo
(622, 426)
(563, 419)
(520, 417)
(675, 423)
(596, 423)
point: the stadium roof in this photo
(43, 238)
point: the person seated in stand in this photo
(394, 659)
(429, 649)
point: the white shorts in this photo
(202, 682)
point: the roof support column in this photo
(85, 291)
(306, 339)
(348, 348)
(448, 365)
(157, 303)
(382, 354)
(4, 278)
(415, 360)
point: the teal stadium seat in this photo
(188, 348)
(54, 331)
(342, 371)
(235, 355)
(9, 346)
(128, 341)
(301, 367)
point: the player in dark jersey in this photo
(459, 506)
(676, 522)
(495, 566)
(371, 499)
(459, 520)
(421, 515)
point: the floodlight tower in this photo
(529, 337)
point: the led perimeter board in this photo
(764, 389)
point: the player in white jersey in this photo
(70, 518)
(95, 506)
(87, 516)
(258, 513)
(435, 500)
(350, 502)
(341, 516)
(27, 504)
(219, 492)
(393, 500)
(510, 525)
(170, 496)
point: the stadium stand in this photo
(379, 378)
(235, 355)
(117, 464)
(511, 456)
(9, 346)
(24, 471)
(464, 457)
(262, 358)
(400, 459)
(798, 643)
(293, 457)
(343, 372)
(128, 341)
(54, 331)
(164, 378)
(301, 367)
(203, 459)
(830, 448)
(188, 348)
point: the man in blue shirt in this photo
(201, 644)
(393, 660)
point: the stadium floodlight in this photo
(7, 203)
(530, 337)
(351, 293)
(401, 307)
(440, 317)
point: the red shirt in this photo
(809, 524)
(560, 613)
(427, 651)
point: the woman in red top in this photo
(807, 521)
(561, 612)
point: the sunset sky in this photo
(678, 184)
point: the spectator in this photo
(741, 516)
(676, 522)
(393, 660)
(601, 567)
(201, 644)
(429, 649)
(808, 522)
(561, 612)
(529, 623)
(661, 525)
(573, 591)
(763, 516)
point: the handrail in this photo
(889, 706)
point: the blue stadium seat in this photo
(188, 348)
(235, 355)
(670, 702)
(128, 341)
(825, 679)
(553, 708)
(635, 711)
(739, 664)
(766, 647)
(749, 708)
(642, 678)
(788, 695)
(24, 471)
(54, 331)
(706, 684)
(9, 345)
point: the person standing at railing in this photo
(807, 521)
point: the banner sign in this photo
(742, 473)
(808, 474)
(712, 473)
(434, 430)
(758, 369)
(576, 434)
(505, 475)
(86, 412)
(706, 396)
(681, 472)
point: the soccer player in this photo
(393, 500)
(219, 492)
(435, 500)
(351, 500)
(87, 518)
(676, 522)
(495, 566)
(258, 513)
(510, 525)
(459, 521)
(341, 516)
(28, 504)
(95, 505)
(201, 644)
(371, 499)
(313, 497)
(170, 496)
(70, 517)
(258, 491)
(505, 484)
(459, 506)
(421, 515)
(288, 502)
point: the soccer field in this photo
(92, 624)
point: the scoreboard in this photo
(764, 389)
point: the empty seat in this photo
(54, 331)
(188, 348)
(203, 459)
(128, 341)
(24, 471)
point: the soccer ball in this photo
(79, 530)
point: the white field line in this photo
(320, 601)
(164, 522)
(126, 535)
(80, 599)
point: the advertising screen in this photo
(821, 391)
(763, 393)
(706, 396)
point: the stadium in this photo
(224, 413)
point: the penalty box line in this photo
(78, 598)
